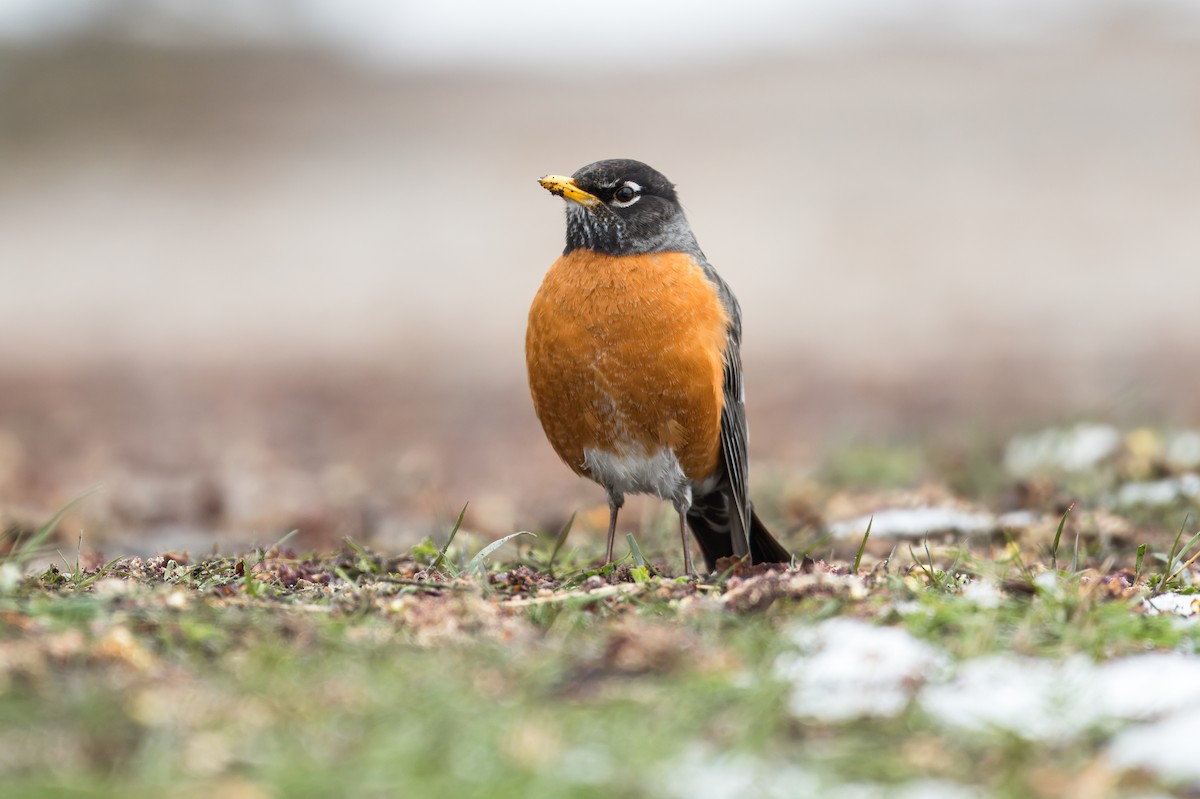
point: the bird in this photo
(633, 353)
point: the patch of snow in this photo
(918, 789)
(1166, 747)
(1073, 449)
(1158, 492)
(1016, 520)
(1048, 581)
(910, 607)
(1185, 605)
(1034, 699)
(1045, 700)
(1183, 450)
(701, 772)
(914, 523)
(10, 576)
(848, 669)
(1148, 686)
(983, 593)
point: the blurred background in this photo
(265, 264)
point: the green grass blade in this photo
(1058, 538)
(253, 585)
(939, 583)
(1183, 566)
(367, 563)
(24, 550)
(477, 561)
(441, 558)
(635, 550)
(288, 536)
(102, 571)
(559, 540)
(1162, 581)
(78, 556)
(343, 576)
(927, 569)
(1137, 566)
(863, 545)
(819, 541)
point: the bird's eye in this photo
(625, 193)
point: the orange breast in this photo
(625, 356)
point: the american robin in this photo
(633, 351)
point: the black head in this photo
(622, 207)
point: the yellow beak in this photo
(565, 187)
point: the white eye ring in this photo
(629, 184)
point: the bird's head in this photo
(622, 207)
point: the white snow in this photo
(702, 772)
(1147, 686)
(983, 593)
(914, 523)
(1159, 492)
(918, 789)
(848, 669)
(1183, 450)
(1034, 699)
(1167, 747)
(1072, 449)
(1186, 605)
(1046, 700)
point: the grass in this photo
(278, 674)
(451, 670)
(18, 547)
(1172, 572)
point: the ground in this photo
(1044, 654)
(250, 292)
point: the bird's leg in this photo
(615, 501)
(688, 567)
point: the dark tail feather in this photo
(763, 546)
(708, 519)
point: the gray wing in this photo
(734, 434)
